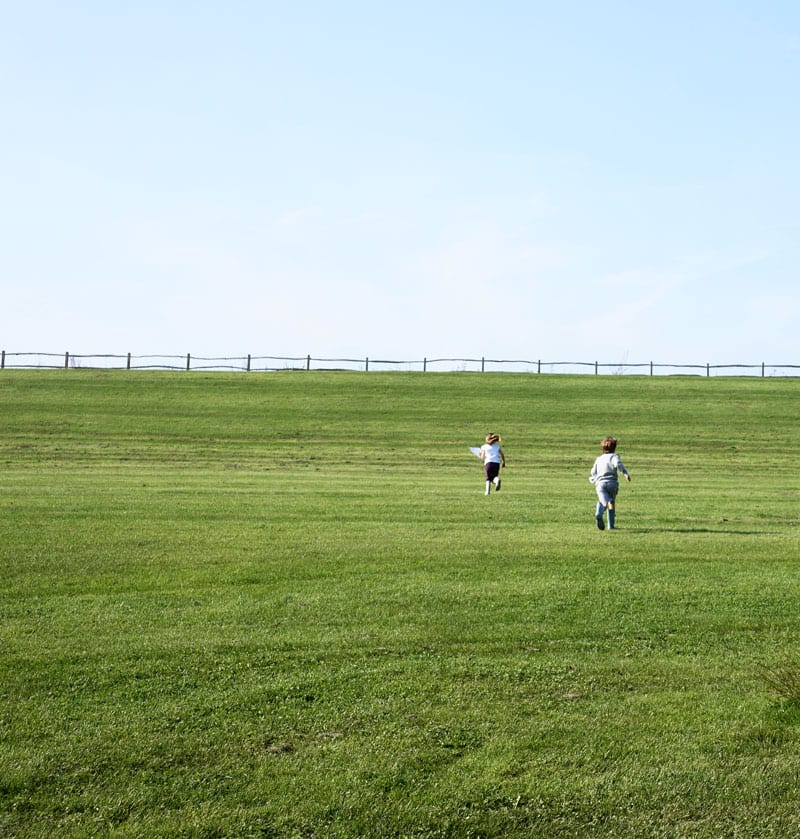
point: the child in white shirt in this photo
(493, 458)
(604, 477)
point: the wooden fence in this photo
(265, 363)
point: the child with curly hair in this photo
(605, 480)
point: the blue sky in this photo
(564, 181)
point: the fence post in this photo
(129, 362)
(762, 369)
(708, 369)
(483, 364)
(651, 368)
(188, 360)
(3, 361)
(308, 362)
(248, 362)
(366, 364)
(66, 360)
(596, 368)
(539, 366)
(425, 365)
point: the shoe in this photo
(497, 485)
(601, 525)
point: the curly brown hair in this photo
(609, 444)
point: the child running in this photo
(604, 478)
(493, 458)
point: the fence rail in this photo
(270, 363)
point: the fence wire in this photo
(271, 363)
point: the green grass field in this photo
(280, 605)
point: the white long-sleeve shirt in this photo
(605, 469)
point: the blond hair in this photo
(493, 438)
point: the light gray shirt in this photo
(605, 469)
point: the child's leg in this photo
(492, 476)
(604, 502)
(599, 515)
(612, 513)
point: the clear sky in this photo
(512, 179)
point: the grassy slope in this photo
(281, 605)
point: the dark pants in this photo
(492, 471)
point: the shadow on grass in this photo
(721, 530)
